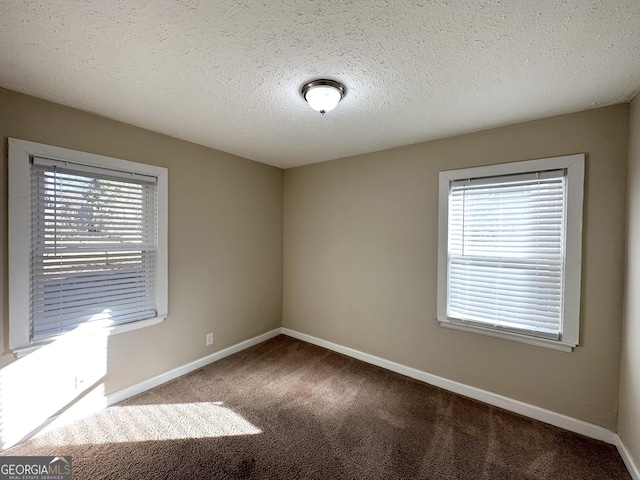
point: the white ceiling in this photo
(227, 73)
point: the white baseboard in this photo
(628, 460)
(516, 406)
(190, 367)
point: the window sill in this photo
(106, 331)
(538, 342)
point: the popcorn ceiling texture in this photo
(227, 74)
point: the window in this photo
(87, 243)
(509, 250)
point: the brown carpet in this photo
(286, 409)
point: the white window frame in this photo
(574, 166)
(20, 155)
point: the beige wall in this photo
(360, 243)
(629, 420)
(225, 237)
(360, 262)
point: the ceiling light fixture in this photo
(323, 95)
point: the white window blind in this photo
(506, 252)
(93, 247)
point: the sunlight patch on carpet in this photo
(141, 423)
(47, 380)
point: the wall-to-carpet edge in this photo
(527, 410)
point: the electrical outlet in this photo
(209, 338)
(80, 383)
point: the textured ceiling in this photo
(227, 73)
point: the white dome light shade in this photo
(323, 95)
(323, 98)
